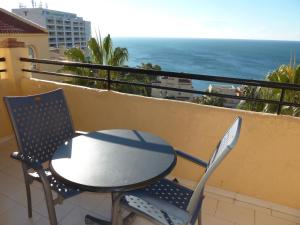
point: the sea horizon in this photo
(202, 38)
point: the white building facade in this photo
(227, 90)
(65, 29)
(173, 82)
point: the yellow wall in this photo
(39, 41)
(265, 164)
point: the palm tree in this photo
(250, 92)
(284, 74)
(210, 100)
(102, 52)
(140, 78)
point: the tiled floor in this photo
(220, 207)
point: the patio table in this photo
(115, 161)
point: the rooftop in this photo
(11, 23)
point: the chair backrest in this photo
(223, 148)
(41, 123)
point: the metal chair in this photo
(169, 203)
(41, 123)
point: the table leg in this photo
(115, 215)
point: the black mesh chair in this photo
(169, 203)
(41, 123)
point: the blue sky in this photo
(239, 19)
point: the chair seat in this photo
(165, 201)
(64, 190)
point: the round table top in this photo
(113, 160)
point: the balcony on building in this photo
(59, 27)
(52, 40)
(52, 34)
(68, 33)
(257, 184)
(50, 21)
(50, 27)
(53, 45)
(59, 22)
(69, 44)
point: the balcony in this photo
(50, 27)
(59, 28)
(50, 21)
(258, 184)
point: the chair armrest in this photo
(27, 160)
(79, 132)
(191, 158)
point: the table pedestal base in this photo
(89, 220)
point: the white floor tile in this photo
(61, 210)
(5, 203)
(17, 215)
(235, 214)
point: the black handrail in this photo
(282, 86)
(191, 76)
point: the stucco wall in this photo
(39, 41)
(265, 164)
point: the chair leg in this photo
(200, 218)
(28, 181)
(29, 203)
(200, 207)
(49, 198)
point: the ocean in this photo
(251, 59)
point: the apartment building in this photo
(65, 29)
(227, 90)
(174, 83)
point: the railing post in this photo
(280, 101)
(108, 80)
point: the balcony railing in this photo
(283, 87)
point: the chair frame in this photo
(225, 145)
(29, 164)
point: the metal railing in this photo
(249, 82)
(2, 59)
